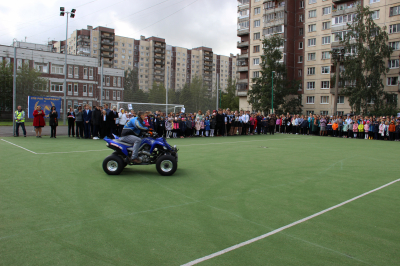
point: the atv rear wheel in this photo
(166, 165)
(113, 165)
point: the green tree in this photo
(157, 93)
(29, 83)
(365, 64)
(131, 85)
(6, 86)
(285, 91)
(229, 98)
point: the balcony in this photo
(242, 32)
(274, 10)
(159, 78)
(159, 45)
(208, 59)
(207, 78)
(242, 44)
(274, 22)
(81, 52)
(241, 93)
(108, 62)
(107, 42)
(243, 56)
(159, 51)
(207, 64)
(348, 10)
(159, 62)
(332, 90)
(83, 38)
(243, 81)
(110, 37)
(157, 67)
(106, 49)
(159, 74)
(156, 56)
(243, 68)
(107, 55)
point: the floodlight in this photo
(72, 15)
(62, 9)
(73, 10)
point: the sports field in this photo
(58, 207)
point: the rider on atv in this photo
(131, 132)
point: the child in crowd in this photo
(345, 129)
(202, 127)
(168, 127)
(182, 127)
(366, 129)
(335, 127)
(175, 128)
(398, 131)
(382, 130)
(198, 127)
(207, 126)
(355, 129)
(360, 129)
(213, 123)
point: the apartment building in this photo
(326, 23)
(257, 20)
(83, 74)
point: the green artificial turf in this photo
(62, 209)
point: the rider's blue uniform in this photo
(134, 127)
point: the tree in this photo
(157, 93)
(229, 98)
(131, 85)
(365, 64)
(6, 86)
(286, 96)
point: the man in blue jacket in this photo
(131, 132)
(87, 119)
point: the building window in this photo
(392, 81)
(325, 70)
(394, 63)
(301, 18)
(326, 10)
(42, 68)
(76, 72)
(256, 74)
(76, 89)
(312, 42)
(57, 69)
(310, 99)
(118, 95)
(324, 84)
(119, 81)
(309, 113)
(312, 28)
(56, 87)
(394, 11)
(257, 10)
(311, 85)
(256, 49)
(301, 4)
(374, 1)
(324, 99)
(300, 45)
(85, 73)
(326, 40)
(256, 61)
(90, 90)
(394, 28)
(84, 90)
(375, 14)
(300, 59)
(69, 89)
(326, 55)
(324, 113)
(301, 31)
(340, 100)
(311, 71)
(312, 13)
(311, 56)
(256, 36)
(299, 72)
(326, 25)
(394, 45)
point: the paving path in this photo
(7, 131)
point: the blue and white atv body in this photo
(153, 150)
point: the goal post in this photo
(152, 107)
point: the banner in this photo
(45, 103)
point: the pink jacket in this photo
(202, 125)
(198, 125)
(366, 127)
(278, 121)
(381, 128)
(355, 127)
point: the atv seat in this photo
(121, 142)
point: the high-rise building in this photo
(155, 61)
(257, 20)
(326, 24)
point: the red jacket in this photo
(38, 119)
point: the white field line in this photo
(19, 146)
(216, 254)
(220, 143)
(71, 151)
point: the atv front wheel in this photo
(113, 165)
(166, 165)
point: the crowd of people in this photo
(98, 122)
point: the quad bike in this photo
(153, 150)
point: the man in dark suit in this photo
(87, 118)
(114, 121)
(96, 119)
(220, 123)
(105, 124)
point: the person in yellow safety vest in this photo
(19, 117)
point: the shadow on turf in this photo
(149, 172)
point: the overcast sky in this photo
(185, 23)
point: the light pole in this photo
(338, 57)
(272, 93)
(72, 15)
